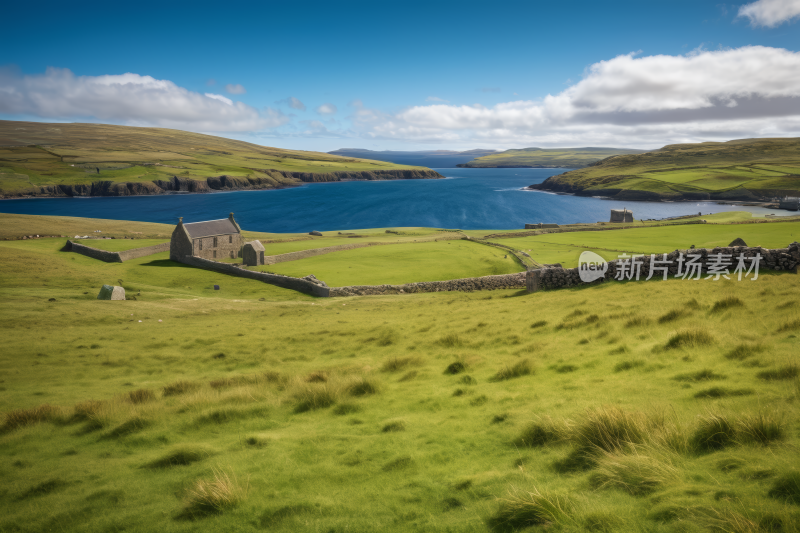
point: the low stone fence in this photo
(295, 284)
(484, 283)
(708, 261)
(114, 257)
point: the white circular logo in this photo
(591, 267)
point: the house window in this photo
(215, 254)
(201, 243)
(215, 242)
(230, 238)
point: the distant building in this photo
(790, 203)
(621, 215)
(213, 239)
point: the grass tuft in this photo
(787, 487)
(790, 371)
(141, 396)
(610, 429)
(128, 427)
(701, 375)
(633, 472)
(393, 426)
(451, 340)
(519, 369)
(722, 392)
(181, 456)
(23, 417)
(543, 431)
(42, 489)
(690, 338)
(740, 352)
(714, 432)
(311, 396)
(628, 365)
(523, 509)
(455, 368)
(669, 316)
(363, 386)
(539, 324)
(790, 326)
(213, 496)
(396, 364)
(726, 303)
(179, 387)
(761, 428)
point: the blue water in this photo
(472, 198)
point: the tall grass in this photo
(522, 509)
(639, 470)
(518, 369)
(215, 495)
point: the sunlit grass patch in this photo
(637, 471)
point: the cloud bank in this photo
(235, 88)
(627, 100)
(292, 102)
(128, 99)
(327, 109)
(770, 13)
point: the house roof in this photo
(210, 228)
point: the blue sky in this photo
(411, 75)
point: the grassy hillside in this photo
(663, 406)
(546, 157)
(740, 169)
(35, 154)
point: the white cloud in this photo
(129, 99)
(770, 13)
(326, 109)
(435, 99)
(235, 89)
(292, 102)
(220, 98)
(745, 92)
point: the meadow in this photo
(740, 168)
(34, 154)
(663, 406)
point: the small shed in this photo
(621, 215)
(253, 253)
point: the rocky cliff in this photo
(267, 179)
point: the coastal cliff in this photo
(266, 179)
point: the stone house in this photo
(212, 239)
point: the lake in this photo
(471, 198)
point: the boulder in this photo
(738, 242)
(111, 292)
(315, 233)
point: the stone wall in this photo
(114, 257)
(502, 281)
(127, 255)
(295, 284)
(781, 259)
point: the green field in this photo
(741, 169)
(403, 263)
(547, 157)
(663, 406)
(34, 154)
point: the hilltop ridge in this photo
(41, 159)
(741, 169)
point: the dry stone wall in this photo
(114, 257)
(780, 259)
(484, 283)
(296, 284)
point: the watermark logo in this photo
(591, 267)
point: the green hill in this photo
(546, 158)
(105, 160)
(650, 406)
(745, 169)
